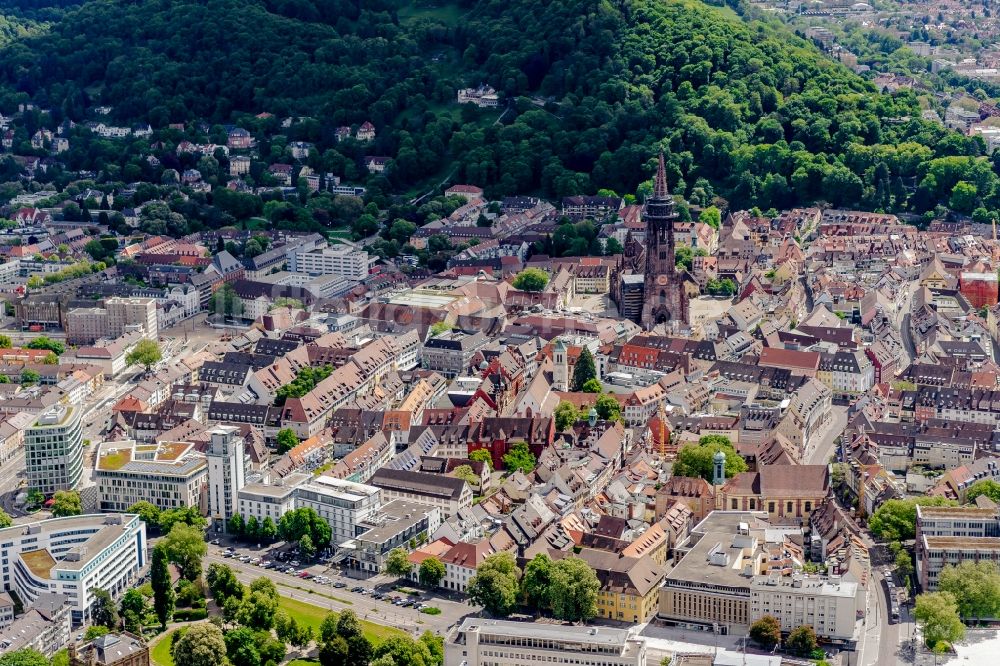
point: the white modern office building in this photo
(343, 504)
(53, 450)
(227, 465)
(484, 642)
(72, 556)
(266, 500)
(169, 475)
(341, 260)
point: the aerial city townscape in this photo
(495, 332)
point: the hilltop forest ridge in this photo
(588, 92)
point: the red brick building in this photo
(981, 289)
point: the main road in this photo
(338, 599)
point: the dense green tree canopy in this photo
(896, 520)
(975, 586)
(746, 110)
(495, 585)
(937, 615)
(696, 460)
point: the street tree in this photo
(306, 547)
(146, 353)
(236, 525)
(304, 520)
(148, 512)
(397, 563)
(5, 342)
(5, 519)
(937, 615)
(29, 377)
(766, 632)
(431, 572)
(187, 515)
(495, 585)
(163, 591)
(186, 548)
(201, 645)
(258, 610)
(252, 528)
(592, 386)
(268, 530)
(801, 640)
(222, 583)
(904, 564)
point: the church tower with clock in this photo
(664, 299)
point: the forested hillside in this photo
(746, 110)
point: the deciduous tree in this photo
(975, 586)
(697, 460)
(495, 585)
(66, 503)
(186, 548)
(201, 645)
(146, 353)
(520, 458)
(766, 632)
(531, 279)
(573, 589)
(896, 519)
(801, 640)
(431, 572)
(937, 615)
(397, 564)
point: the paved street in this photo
(821, 444)
(901, 319)
(379, 612)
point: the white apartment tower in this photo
(53, 450)
(226, 474)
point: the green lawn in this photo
(160, 654)
(302, 662)
(312, 616)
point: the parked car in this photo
(339, 584)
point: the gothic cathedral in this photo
(664, 299)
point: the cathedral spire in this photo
(660, 184)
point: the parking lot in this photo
(287, 569)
